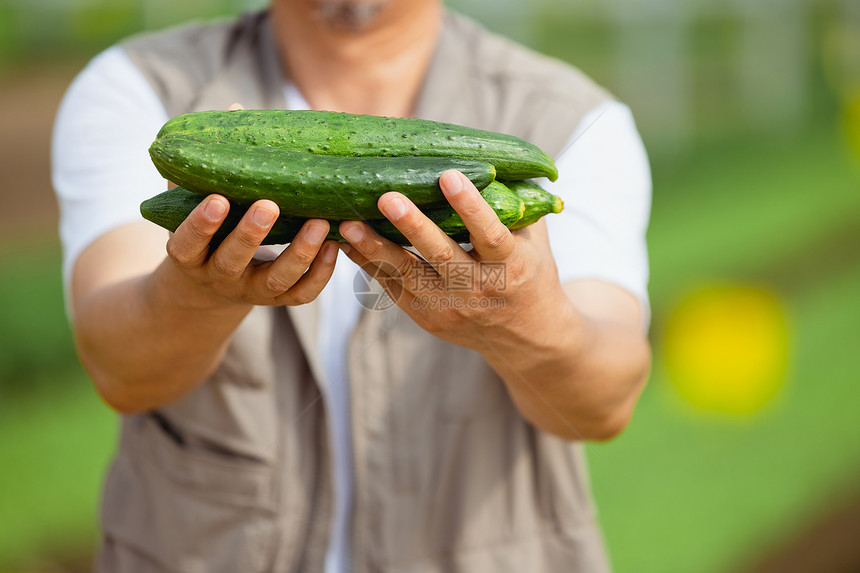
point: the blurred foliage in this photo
(744, 195)
(55, 443)
(55, 435)
(102, 24)
(69, 28)
(36, 338)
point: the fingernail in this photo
(214, 210)
(329, 253)
(316, 234)
(352, 233)
(263, 217)
(453, 183)
(394, 208)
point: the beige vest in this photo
(235, 477)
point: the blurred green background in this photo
(744, 454)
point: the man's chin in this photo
(353, 16)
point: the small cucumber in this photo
(508, 207)
(538, 202)
(170, 208)
(351, 135)
(303, 184)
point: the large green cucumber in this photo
(303, 184)
(344, 134)
(538, 202)
(170, 208)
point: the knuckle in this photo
(371, 249)
(473, 208)
(496, 289)
(195, 229)
(177, 252)
(276, 284)
(469, 315)
(404, 267)
(304, 255)
(515, 268)
(226, 267)
(497, 235)
(248, 240)
(302, 296)
(442, 254)
(515, 276)
(413, 225)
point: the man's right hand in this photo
(230, 275)
(150, 328)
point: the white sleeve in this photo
(101, 169)
(605, 182)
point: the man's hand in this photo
(572, 370)
(150, 328)
(469, 298)
(230, 275)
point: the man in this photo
(324, 435)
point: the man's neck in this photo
(377, 70)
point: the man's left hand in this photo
(479, 298)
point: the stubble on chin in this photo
(351, 16)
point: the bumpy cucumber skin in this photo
(351, 135)
(170, 208)
(538, 202)
(303, 184)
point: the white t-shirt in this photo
(102, 172)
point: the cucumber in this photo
(344, 134)
(538, 202)
(508, 207)
(303, 184)
(170, 208)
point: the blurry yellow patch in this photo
(851, 122)
(726, 348)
